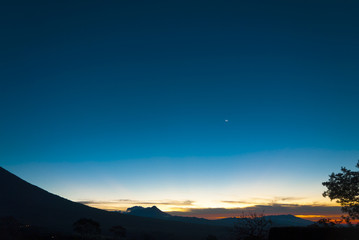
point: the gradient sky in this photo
(123, 103)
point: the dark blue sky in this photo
(120, 80)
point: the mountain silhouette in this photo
(277, 220)
(288, 221)
(32, 205)
(152, 212)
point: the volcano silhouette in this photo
(32, 205)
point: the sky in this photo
(203, 108)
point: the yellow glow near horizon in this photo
(188, 206)
(310, 216)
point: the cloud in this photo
(275, 206)
(237, 202)
(137, 202)
(280, 199)
(265, 201)
(273, 209)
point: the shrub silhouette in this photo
(328, 222)
(344, 187)
(118, 232)
(252, 226)
(87, 228)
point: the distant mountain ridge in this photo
(152, 212)
(32, 205)
(277, 220)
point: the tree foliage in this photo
(344, 188)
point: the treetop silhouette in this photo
(344, 188)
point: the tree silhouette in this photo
(252, 226)
(87, 228)
(118, 231)
(344, 187)
(328, 222)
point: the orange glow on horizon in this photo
(212, 209)
(311, 216)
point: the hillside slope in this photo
(32, 205)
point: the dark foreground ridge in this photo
(28, 212)
(312, 233)
(34, 206)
